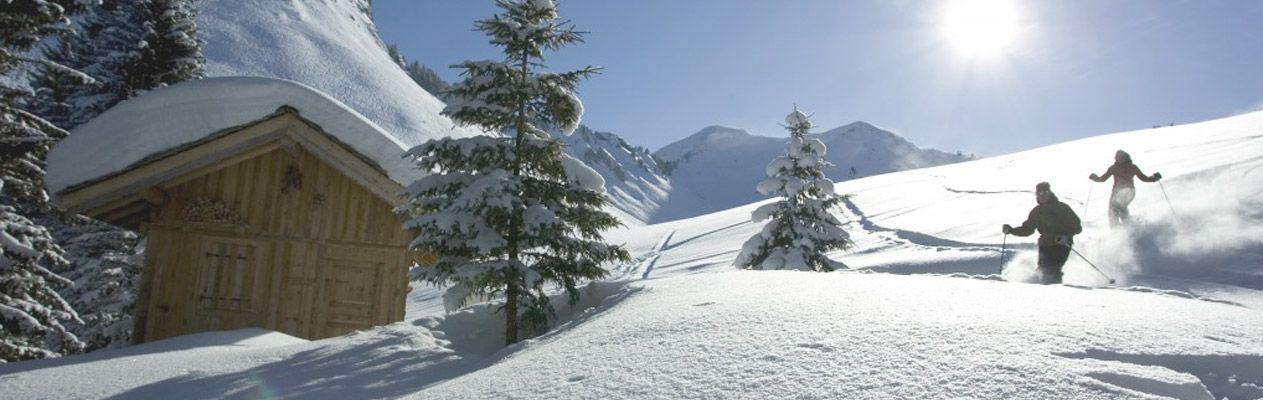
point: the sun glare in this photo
(981, 28)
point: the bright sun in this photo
(981, 28)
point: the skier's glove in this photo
(1093, 177)
(1006, 229)
(1157, 176)
(1063, 240)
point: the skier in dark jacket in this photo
(1057, 224)
(1124, 188)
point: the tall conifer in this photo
(31, 311)
(509, 214)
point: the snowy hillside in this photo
(718, 167)
(330, 45)
(938, 306)
(1184, 321)
(634, 181)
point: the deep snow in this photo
(925, 316)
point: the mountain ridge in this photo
(718, 167)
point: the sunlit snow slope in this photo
(329, 45)
(1185, 320)
(947, 219)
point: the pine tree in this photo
(508, 214)
(173, 53)
(58, 84)
(392, 50)
(428, 80)
(128, 47)
(31, 311)
(801, 231)
(111, 51)
(105, 269)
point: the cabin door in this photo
(358, 288)
(228, 280)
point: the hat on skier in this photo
(1043, 187)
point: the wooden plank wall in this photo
(300, 217)
(316, 201)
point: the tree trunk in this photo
(510, 314)
(512, 291)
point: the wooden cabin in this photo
(273, 224)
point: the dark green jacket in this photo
(1051, 219)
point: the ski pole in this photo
(1089, 199)
(1003, 242)
(1164, 194)
(1098, 270)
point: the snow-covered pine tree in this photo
(57, 85)
(511, 214)
(105, 270)
(801, 231)
(128, 47)
(31, 311)
(109, 49)
(173, 53)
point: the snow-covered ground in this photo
(926, 314)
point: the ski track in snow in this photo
(1228, 376)
(707, 233)
(645, 262)
(915, 238)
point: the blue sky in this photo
(1064, 69)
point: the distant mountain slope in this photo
(634, 181)
(718, 167)
(330, 45)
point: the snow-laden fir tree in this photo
(128, 47)
(801, 231)
(56, 86)
(105, 269)
(109, 48)
(173, 52)
(511, 214)
(32, 313)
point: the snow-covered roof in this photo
(328, 45)
(178, 115)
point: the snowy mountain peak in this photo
(717, 134)
(719, 167)
(708, 138)
(862, 128)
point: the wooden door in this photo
(228, 282)
(359, 289)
